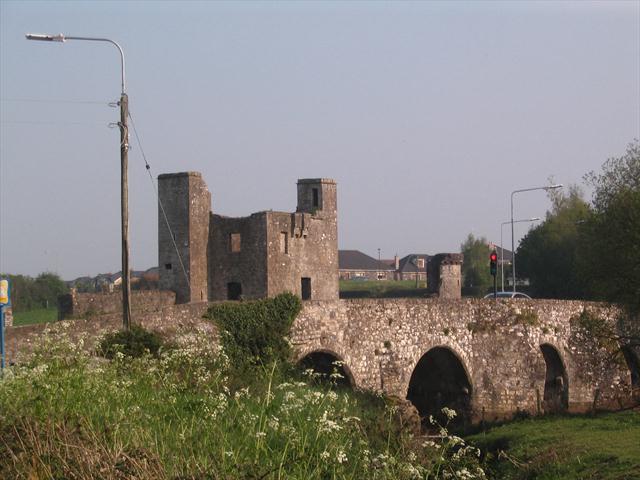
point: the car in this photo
(509, 295)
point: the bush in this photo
(254, 333)
(134, 342)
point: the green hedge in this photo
(254, 332)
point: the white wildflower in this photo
(449, 413)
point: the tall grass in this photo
(70, 414)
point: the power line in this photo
(44, 122)
(164, 214)
(48, 100)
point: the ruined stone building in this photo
(262, 255)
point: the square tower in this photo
(318, 196)
(185, 203)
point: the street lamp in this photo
(533, 219)
(124, 181)
(513, 250)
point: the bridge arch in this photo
(326, 362)
(440, 379)
(556, 381)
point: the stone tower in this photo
(318, 196)
(444, 275)
(182, 259)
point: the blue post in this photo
(2, 336)
(5, 295)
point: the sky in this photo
(427, 114)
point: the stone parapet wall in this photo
(498, 343)
(167, 320)
(83, 305)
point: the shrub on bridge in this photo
(134, 342)
(255, 332)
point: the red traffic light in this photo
(493, 257)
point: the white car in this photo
(509, 295)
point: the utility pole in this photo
(124, 164)
(124, 205)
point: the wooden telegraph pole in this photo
(124, 204)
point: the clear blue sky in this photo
(427, 114)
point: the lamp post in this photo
(513, 250)
(533, 219)
(124, 181)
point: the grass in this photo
(606, 446)
(42, 315)
(69, 414)
(381, 289)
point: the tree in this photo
(28, 293)
(610, 246)
(48, 287)
(476, 278)
(548, 254)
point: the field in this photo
(605, 446)
(41, 315)
(381, 289)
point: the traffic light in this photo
(493, 258)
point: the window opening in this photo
(284, 242)
(306, 288)
(234, 291)
(234, 242)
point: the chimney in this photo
(396, 261)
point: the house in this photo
(412, 267)
(353, 264)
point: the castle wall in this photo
(301, 245)
(248, 265)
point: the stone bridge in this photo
(487, 359)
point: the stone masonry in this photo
(498, 351)
(213, 257)
(444, 273)
(182, 256)
(498, 346)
